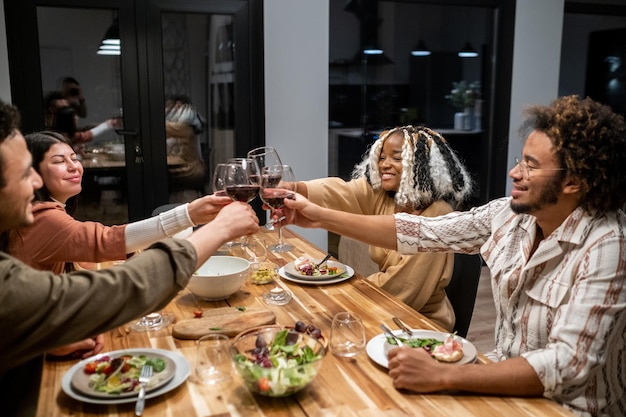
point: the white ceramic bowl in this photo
(219, 277)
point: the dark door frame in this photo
(142, 92)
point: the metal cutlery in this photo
(390, 334)
(144, 378)
(404, 327)
(327, 257)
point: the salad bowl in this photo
(274, 361)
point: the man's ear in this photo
(571, 185)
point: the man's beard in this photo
(549, 195)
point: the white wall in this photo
(296, 88)
(535, 69)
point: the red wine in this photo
(244, 193)
(221, 193)
(272, 181)
(274, 197)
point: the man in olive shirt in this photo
(40, 310)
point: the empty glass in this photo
(213, 364)
(347, 335)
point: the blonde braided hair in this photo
(431, 170)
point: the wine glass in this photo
(242, 179)
(278, 183)
(266, 156)
(219, 188)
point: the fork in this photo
(144, 378)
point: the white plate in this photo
(376, 346)
(180, 376)
(80, 380)
(335, 278)
(291, 270)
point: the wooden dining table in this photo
(343, 387)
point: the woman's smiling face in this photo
(62, 172)
(390, 162)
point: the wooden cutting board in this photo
(226, 320)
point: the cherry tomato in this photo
(107, 370)
(90, 367)
(264, 384)
(198, 313)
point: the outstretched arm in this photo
(375, 230)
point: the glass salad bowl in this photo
(274, 361)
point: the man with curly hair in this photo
(557, 256)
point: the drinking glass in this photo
(213, 363)
(347, 335)
(266, 156)
(219, 188)
(242, 180)
(278, 183)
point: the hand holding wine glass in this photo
(277, 183)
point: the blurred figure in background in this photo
(73, 93)
(61, 117)
(186, 169)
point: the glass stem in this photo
(280, 236)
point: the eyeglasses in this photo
(525, 169)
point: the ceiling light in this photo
(421, 49)
(111, 44)
(468, 51)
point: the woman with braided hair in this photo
(412, 170)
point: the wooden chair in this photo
(462, 289)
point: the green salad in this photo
(281, 366)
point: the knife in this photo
(403, 326)
(390, 334)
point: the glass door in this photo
(153, 93)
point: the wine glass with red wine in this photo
(266, 156)
(278, 183)
(242, 181)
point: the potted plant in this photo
(463, 97)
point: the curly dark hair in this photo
(590, 143)
(9, 124)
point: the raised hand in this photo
(204, 209)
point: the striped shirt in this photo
(563, 309)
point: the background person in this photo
(183, 124)
(40, 310)
(60, 117)
(411, 170)
(557, 255)
(73, 93)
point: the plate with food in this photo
(445, 347)
(112, 378)
(308, 269)
(332, 279)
